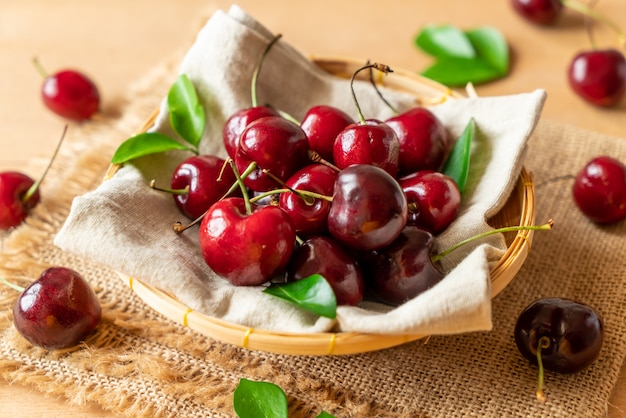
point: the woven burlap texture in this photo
(140, 364)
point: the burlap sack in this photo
(140, 364)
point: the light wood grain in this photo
(118, 41)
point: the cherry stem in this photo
(39, 68)
(172, 191)
(242, 186)
(380, 94)
(12, 285)
(257, 70)
(544, 342)
(545, 227)
(33, 189)
(307, 196)
(314, 157)
(380, 67)
(589, 11)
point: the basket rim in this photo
(337, 343)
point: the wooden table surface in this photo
(118, 41)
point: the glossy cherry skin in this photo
(247, 250)
(208, 181)
(369, 208)
(274, 144)
(238, 122)
(13, 208)
(322, 124)
(372, 142)
(58, 310)
(599, 76)
(70, 94)
(309, 215)
(324, 256)
(402, 270)
(541, 12)
(434, 200)
(599, 190)
(424, 140)
(574, 331)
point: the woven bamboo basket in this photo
(518, 210)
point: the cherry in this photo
(599, 190)
(198, 182)
(404, 269)
(322, 124)
(369, 208)
(541, 12)
(274, 144)
(309, 214)
(58, 310)
(434, 200)
(246, 244)
(424, 140)
(19, 193)
(599, 76)
(70, 94)
(560, 335)
(324, 256)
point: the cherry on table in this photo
(599, 76)
(599, 190)
(58, 310)
(541, 12)
(70, 94)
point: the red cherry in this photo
(322, 255)
(275, 144)
(246, 249)
(58, 310)
(371, 142)
(434, 200)
(599, 76)
(309, 214)
(369, 208)
(322, 124)
(541, 12)
(14, 202)
(70, 94)
(599, 190)
(238, 122)
(424, 140)
(207, 180)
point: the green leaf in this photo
(186, 112)
(477, 56)
(325, 414)
(259, 400)
(313, 294)
(445, 41)
(458, 162)
(145, 144)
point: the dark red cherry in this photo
(207, 179)
(570, 334)
(369, 208)
(309, 214)
(434, 200)
(275, 144)
(599, 76)
(599, 190)
(15, 204)
(402, 270)
(322, 124)
(371, 142)
(424, 140)
(238, 121)
(541, 12)
(322, 255)
(58, 310)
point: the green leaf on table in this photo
(313, 294)
(458, 162)
(253, 399)
(146, 143)
(325, 414)
(186, 112)
(477, 55)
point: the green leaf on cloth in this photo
(259, 400)
(313, 294)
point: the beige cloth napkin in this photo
(126, 226)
